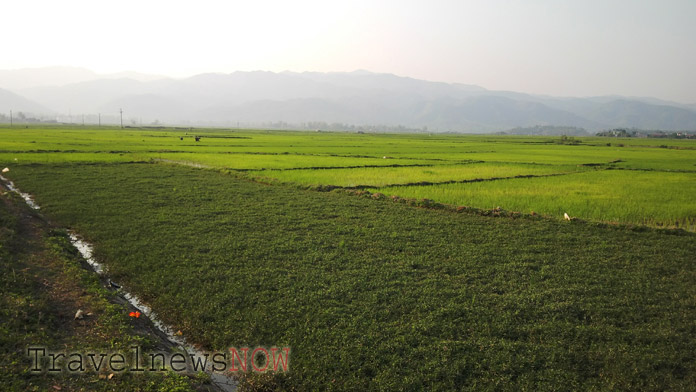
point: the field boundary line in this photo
(204, 166)
(428, 183)
(652, 170)
(183, 163)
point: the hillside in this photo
(358, 98)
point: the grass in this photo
(606, 195)
(375, 295)
(370, 294)
(21, 158)
(383, 176)
(249, 161)
(43, 283)
(350, 160)
(630, 157)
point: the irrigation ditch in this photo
(163, 331)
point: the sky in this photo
(554, 47)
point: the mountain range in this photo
(359, 98)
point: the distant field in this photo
(381, 160)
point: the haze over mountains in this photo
(358, 98)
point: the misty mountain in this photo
(19, 79)
(358, 98)
(494, 112)
(241, 87)
(91, 96)
(11, 101)
(365, 80)
(626, 113)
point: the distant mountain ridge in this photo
(358, 98)
(17, 79)
(11, 101)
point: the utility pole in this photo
(121, 118)
(100, 120)
(10, 118)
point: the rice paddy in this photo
(250, 249)
(445, 168)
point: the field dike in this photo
(328, 188)
(183, 163)
(473, 180)
(203, 166)
(223, 382)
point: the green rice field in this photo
(607, 196)
(254, 238)
(628, 181)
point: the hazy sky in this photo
(557, 47)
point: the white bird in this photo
(5, 170)
(566, 216)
